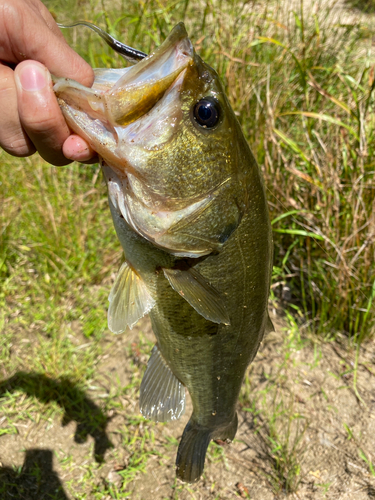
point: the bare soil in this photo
(297, 393)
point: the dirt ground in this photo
(301, 427)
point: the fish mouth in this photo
(120, 97)
(126, 116)
(146, 82)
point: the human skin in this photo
(32, 47)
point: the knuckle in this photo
(18, 146)
(42, 124)
(7, 86)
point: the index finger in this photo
(39, 38)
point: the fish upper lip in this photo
(139, 88)
(145, 83)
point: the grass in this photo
(306, 106)
(302, 86)
(281, 434)
(280, 426)
(365, 6)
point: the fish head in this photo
(172, 151)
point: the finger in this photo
(77, 149)
(47, 16)
(39, 38)
(13, 138)
(39, 111)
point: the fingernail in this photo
(33, 77)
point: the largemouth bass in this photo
(189, 207)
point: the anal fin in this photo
(196, 290)
(129, 300)
(162, 396)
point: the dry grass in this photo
(301, 84)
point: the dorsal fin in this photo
(196, 290)
(129, 300)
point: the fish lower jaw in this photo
(152, 225)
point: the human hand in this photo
(31, 46)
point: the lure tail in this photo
(193, 447)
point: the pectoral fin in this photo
(196, 290)
(162, 396)
(129, 300)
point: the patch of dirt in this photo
(298, 396)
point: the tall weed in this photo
(301, 84)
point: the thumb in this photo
(39, 111)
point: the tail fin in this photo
(193, 446)
(192, 452)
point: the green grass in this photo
(365, 6)
(301, 85)
(277, 422)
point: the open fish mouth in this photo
(118, 98)
(140, 122)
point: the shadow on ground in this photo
(76, 405)
(35, 481)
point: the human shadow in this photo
(76, 405)
(36, 480)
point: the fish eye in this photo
(207, 112)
